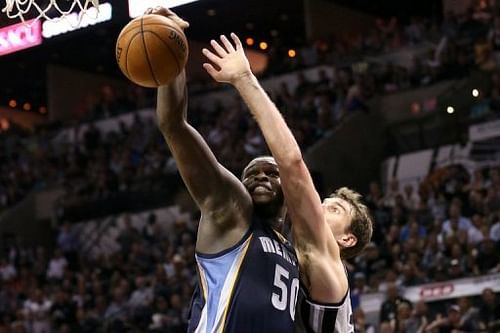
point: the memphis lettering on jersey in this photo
(272, 246)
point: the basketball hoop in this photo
(21, 8)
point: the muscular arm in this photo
(224, 202)
(303, 201)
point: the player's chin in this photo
(263, 199)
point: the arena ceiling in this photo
(92, 49)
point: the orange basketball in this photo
(151, 50)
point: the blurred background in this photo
(399, 100)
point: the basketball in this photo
(151, 50)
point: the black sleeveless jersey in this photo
(314, 317)
(250, 287)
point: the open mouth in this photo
(261, 189)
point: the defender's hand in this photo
(230, 59)
(170, 14)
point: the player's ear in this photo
(348, 240)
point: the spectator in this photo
(159, 320)
(452, 322)
(469, 314)
(495, 230)
(360, 324)
(178, 317)
(62, 310)
(118, 310)
(455, 222)
(390, 197)
(36, 310)
(488, 257)
(67, 241)
(57, 265)
(7, 270)
(475, 233)
(128, 235)
(142, 296)
(389, 309)
(404, 311)
(411, 199)
(419, 318)
(489, 311)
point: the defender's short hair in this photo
(361, 221)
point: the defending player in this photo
(248, 274)
(324, 233)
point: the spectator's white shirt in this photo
(116, 311)
(474, 235)
(463, 224)
(412, 202)
(390, 198)
(38, 313)
(438, 209)
(141, 297)
(169, 269)
(495, 232)
(56, 268)
(8, 272)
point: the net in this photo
(25, 10)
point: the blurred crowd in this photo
(444, 227)
(447, 227)
(134, 158)
(146, 286)
(451, 49)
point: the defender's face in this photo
(262, 180)
(338, 216)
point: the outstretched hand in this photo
(169, 14)
(229, 58)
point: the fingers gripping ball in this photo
(151, 50)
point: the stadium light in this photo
(4, 124)
(475, 93)
(450, 109)
(292, 53)
(263, 45)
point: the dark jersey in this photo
(314, 317)
(250, 287)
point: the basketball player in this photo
(324, 233)
(247, 273)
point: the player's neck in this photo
(277, 224)
(272, 215)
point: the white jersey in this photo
(314, 317)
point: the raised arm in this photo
(303, 202)
(224, 202)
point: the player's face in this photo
(262, 180)
(338, 215)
